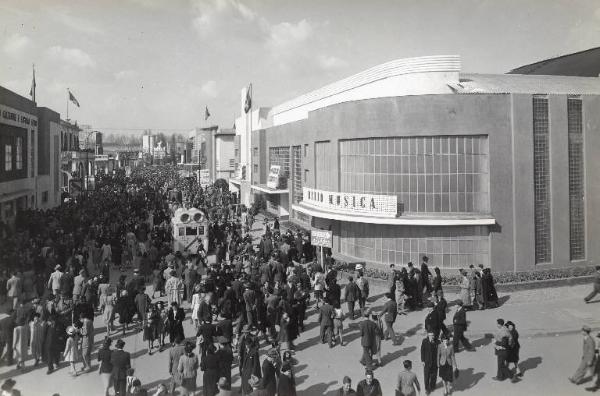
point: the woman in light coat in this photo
(37, 329)
(446, 364)
(465, 294)
(20, 343)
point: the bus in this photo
(190, 229)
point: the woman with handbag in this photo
(447, 364)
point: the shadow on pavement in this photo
(413, 330)
(467, 379)
(390, 357)
(502, 300)
(486, 340)
(530, 363)
(318, 389)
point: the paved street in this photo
(548, 321)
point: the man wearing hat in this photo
(254, 382)
(502, 341)
(587, 360)
(346, 389)
(54, 281)
(121, 362)
(596, 288)
(389, 313)
(268, 382)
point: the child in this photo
(130, 380)
(72, 353)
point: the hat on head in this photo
(253, 381)
(367, 313)
(500, 322)
(347, 380)
(120, 343)
(359, 266)
(70, 330)
(586, 328)
(222, 382)
(246, 329)
(57, 267)
(136, 270)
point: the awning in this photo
(16, 194)
(236, 181)
(268, 190)
(449, 220)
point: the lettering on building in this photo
(365, 203)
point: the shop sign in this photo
(273, 179)
(386, 205)
(321, 238)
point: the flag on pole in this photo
(73, 99)
(206, 113)
(248, 103)
(32, 90)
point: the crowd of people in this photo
(109, 254)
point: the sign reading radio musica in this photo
(366, 204)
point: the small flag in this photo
(248, 103)
(32, 90)
(73, 99)
(206, 113)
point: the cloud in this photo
(209, 89)
(72, 56)
(75, 23)
(284, 35)
(328, 62)
(16, 44)
(216, 16)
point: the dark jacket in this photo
(429, 352)
(368, 332)
(104, 357)
(121, 362)
(326, 315)
(369, 390)
(460, 318)
(351, 292)
(390, 310)
(268, 381)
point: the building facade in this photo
(18, 154)
(224, 162)
(48, 181)
(415, 158)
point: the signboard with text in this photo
(204, 177)
(365, 204)
(273, 179)
(321, 238)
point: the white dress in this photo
(195, 304)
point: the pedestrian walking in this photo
(346, 389)
(72, 352)
(351, 295)
(408, 383)
(587, 359)
(176, 316)
(106, 368)
(188, 370)
(389, 313)
(465, 284)
(369, 386)
(595, 287)
(286, 383)
(429, 358)
(446, 364)
(121, 363)
(501, 345)
(338, 323)
(37, 329)
(326, 323)
(51, 347)
(152, 317)
(268, 382)
(512, 356)
(175, 353)
(87, 341)
(368, 333)
(459, 326)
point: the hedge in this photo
(499, 278)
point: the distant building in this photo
(224, 163)
(148, 141)
(18, 154)
(49, 178)
(90, 140)
(581, 64)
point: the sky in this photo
(156, 64)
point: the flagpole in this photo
(67, 104)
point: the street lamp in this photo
(87, 160)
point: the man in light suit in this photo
(14, 288)
(587, 360)
(121, 362)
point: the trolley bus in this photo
(190, 229)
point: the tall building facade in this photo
(414, 157)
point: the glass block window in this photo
(280, 156)
(541, 181)
(325, 165)
(8, 157)
(576, 180)
(297, 173)
(446, 247)
(435, 174)
(19, 153)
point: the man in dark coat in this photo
(225, 358)
(351, 295)
(326, 322)
(7, 325)
(52, 345)
(459, 323)
(432, 322)
(121, 362)
(268, 381)
(334, 293)
(389, 313)
(429, 358)
(175, 318)
(368, 332)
